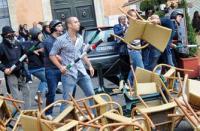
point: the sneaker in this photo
(30, 82)
(58, 91)
(59, 83)
(36, 100)
(49, 117)
(57, 105)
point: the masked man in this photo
(10, 52)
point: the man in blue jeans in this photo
(134, 55)
(70, 46)
(35, 60)
(53, 74)
(151, 55)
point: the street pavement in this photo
(183, 126)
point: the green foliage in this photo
(151, 4)
(191, 39)
(160, 13)
(190, 30)
(146, 5)
(183, 4)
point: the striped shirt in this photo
(69, 52)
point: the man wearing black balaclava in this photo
(10, 52)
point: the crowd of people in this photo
(55, 48)
(149, 57)
(48, 53)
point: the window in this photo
(4, 14)
(104, 35)
(3, 9)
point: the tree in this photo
(190, 30)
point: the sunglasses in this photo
(10, 36)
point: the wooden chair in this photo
(148, 89)
(193, 93)
(147, 82)
(188, 103)
(80, 111)
(30, 123)
(122, 126)
(189, 114)
(159, 115)
(31, 120)
(150, 83)
(113, 116)
(107, 112)
(169, 75)
(8, 109)
(102, 104)
(5, 115)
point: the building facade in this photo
(194, 6)
(4, 13)
(90, 12)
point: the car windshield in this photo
(104, 35)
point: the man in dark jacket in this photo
(151, 55)
(120, 29)
(178, 39)
(35, 60)
(53, 74)
(10, 52)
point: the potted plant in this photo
(192, 61)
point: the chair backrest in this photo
(193, 92)
(142, 75)
(30, 123)
(147, 82)
(170, 73)
(150, 83)
(189, 113)
(98, 99)
(111, 117)
(122, 126)
(159, 115)
(5, 114)
(65, 114)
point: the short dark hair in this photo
(68, 20)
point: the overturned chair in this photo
(189, 103)
(9, 109)
(169, 76)
(148, 86)
(74, 117)
(153, 99)
(31, 120)
(112, 120)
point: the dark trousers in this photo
(53, 76)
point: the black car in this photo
(107, 52)
(105, 59)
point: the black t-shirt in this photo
(34, 60)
